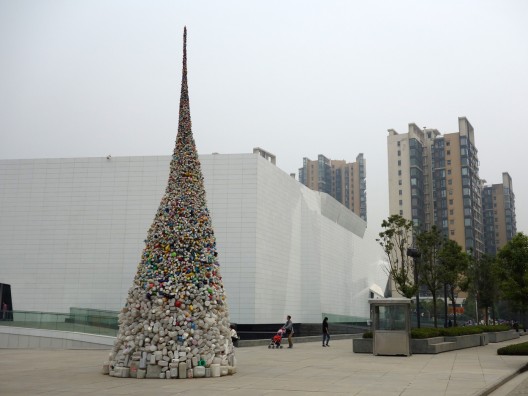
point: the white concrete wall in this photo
(72, 231)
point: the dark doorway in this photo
(6, 304)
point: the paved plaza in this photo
(306, 369)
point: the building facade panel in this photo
(72, 232)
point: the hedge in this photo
(515, 349)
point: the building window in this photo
(400, 192)
(452, 232)
(449, 171)
(399, 172)
(450, 202)
(451, 212)
(401, 202)
(399, 162)
(450, 181)
(399, 143)
(448, 152)
(401, 212)
(399, 182)
(399, 153)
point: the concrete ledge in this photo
(468, 341)
(26, 338)
(500, 336)
(436, 345)
(432, 345)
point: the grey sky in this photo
(297, 78)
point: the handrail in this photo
(101, 324)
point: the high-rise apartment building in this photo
(433, 180)
(498, 203)
(346, 182)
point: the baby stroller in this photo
(277, 339)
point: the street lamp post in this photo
(415, 254)
(445, 304)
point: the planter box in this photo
(468, 341)
(435, 345)
(500, 336)
(362, 345)
(432, 345)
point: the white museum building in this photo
(72, 232)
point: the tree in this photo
(484, 281)
(395, 241)
(454, 265)
(513, 271)
(491, 290)
(429, 244)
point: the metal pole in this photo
(415, 254)
(476, 308)
(417, 294)
(445, 304)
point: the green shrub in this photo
(425, 332)
(493, 328)
(460, 331)
(515, 349)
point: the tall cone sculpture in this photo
(175, 323)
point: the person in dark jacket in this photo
(326, 334)
(288, 326)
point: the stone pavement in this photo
(517, 386)
(306, 369)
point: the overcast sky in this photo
(297, 78)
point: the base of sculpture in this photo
(150, 366)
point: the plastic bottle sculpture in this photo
(175, 323)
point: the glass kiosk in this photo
(391, 326)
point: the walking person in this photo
(326, 334)
(288, 326)
(234, 335)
